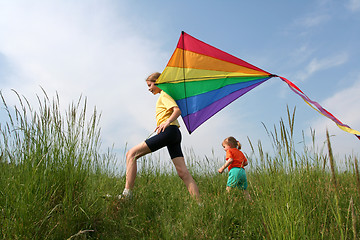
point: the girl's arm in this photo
(175, 114)
(227, 163)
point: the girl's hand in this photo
(175, 114)
(162, 127)
(228, 162)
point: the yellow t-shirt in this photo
(164, 106)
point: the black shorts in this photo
(171, 138)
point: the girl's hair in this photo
(153, 77)
(232, 142)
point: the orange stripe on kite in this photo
(188, 59)
(190, 43)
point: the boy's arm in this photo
(227, 163)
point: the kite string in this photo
(151, 135)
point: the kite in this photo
(203, 80)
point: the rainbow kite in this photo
(203, 80)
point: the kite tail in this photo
(316, 106)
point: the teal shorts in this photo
(237, 178)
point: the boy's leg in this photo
(184, 174)
(131, 167)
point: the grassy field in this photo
(53, 177)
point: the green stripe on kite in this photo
(180, 91)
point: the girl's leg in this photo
(184, 174)
(131, 167)
(247, 195)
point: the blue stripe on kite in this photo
(195, 103)
(194, 120)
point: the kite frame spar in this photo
(203, 80)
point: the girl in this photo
(235, 162)
(168, 134)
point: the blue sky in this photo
(105, 49)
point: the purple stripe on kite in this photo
(195, 103)
(194, 120)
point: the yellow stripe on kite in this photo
(176, 74)
(349, 130)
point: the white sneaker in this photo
(123, 196)
(126, 195)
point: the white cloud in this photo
(301, 54)
(307, 23)
(353, 5)
(313, 21)
(345, 106)
(87, 48)
(316, 65)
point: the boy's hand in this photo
(221, 170)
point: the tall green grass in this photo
(50, 165)
(53, 177)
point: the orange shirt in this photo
(238, 158)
